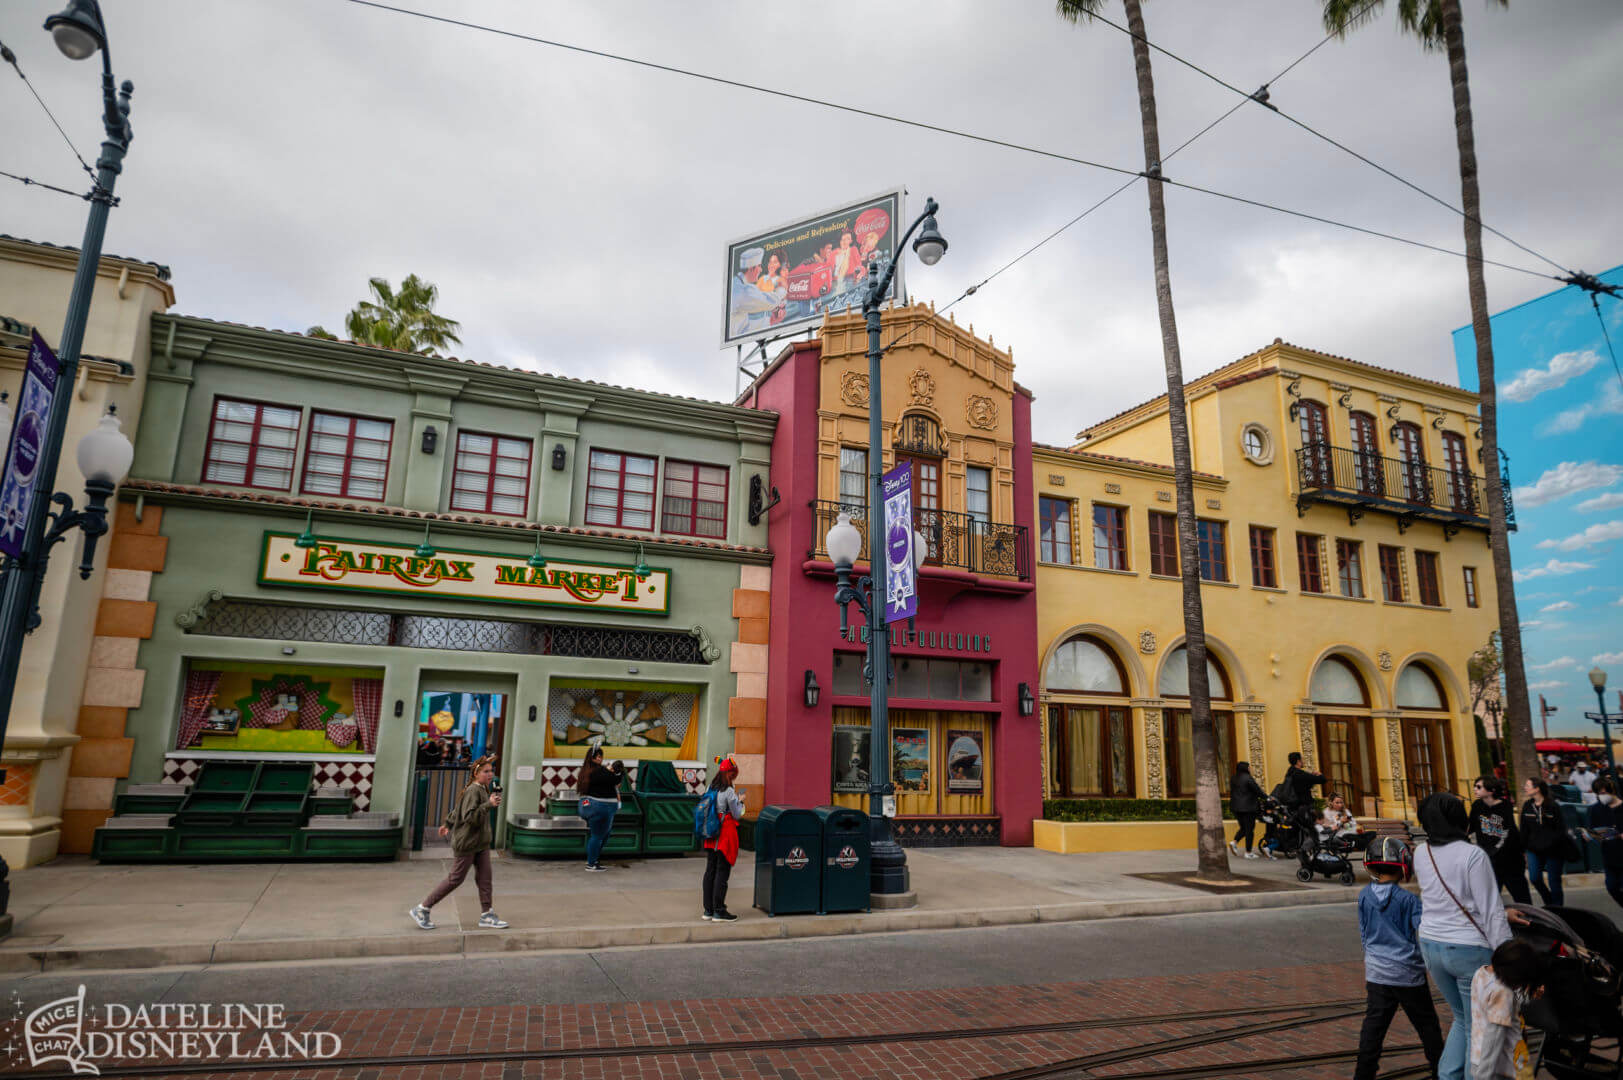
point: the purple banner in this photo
(27, 438)
(901, 577)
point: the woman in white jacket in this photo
(1462, 919)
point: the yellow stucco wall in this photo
(1270, 640)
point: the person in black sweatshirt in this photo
(1493, 829)
(1543, 835)
(1245, 800)
(1605, 820)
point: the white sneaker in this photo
(492, 921)
(1251, 854)
(1234, 846)
(419, 915)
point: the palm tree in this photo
(404, 320)
(1438, 25)
(1213, 858)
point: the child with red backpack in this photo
(716, 821)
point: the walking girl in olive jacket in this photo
(468, 825)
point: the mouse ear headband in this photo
(727, 765)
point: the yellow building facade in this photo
(1348, 579)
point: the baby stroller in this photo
(1579, 1011)
(1326, 855)
(1281, 833)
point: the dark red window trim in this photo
(1391, 560)
(1163, 544)
(1310, 562)
(490, 473)
(620, 489)
(253, 444)
(1427, 573)
(1049, 509)
(343, 491)
(1263, 572)
(1212, 544)
(693, 517)
(1114, 527)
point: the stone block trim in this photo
(18, 788)
(751, 604)
(753, 631)
(113, 682)
(746, 712)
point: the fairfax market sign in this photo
(357, 566)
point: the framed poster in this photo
(852, 754)
(966, 762)
(910, 759)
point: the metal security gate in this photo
(434, 791)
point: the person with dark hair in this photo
(1245, 800)
(468, 826)
(1493, 829)
(721, 850)
(1299, 783)
(1605, 819)
(1498, 992)
(599, 789)
(1394, 973)
(1544, 835)
(1462, 919)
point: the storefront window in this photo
(647, 720)
(279, 709)
(919, 678)
(1091, 750)
(1180, 740)
(848, 674)
(912, 677)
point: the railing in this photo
(954, 539)
(1410, 488)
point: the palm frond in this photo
(1077, 10)
(1341, 17)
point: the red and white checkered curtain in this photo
(368, 703)
(194, 705)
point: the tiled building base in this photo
(355, 775)
(948, 832)
(560, 774)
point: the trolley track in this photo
(1281, 1018)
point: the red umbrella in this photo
(1562, 746)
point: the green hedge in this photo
(1128, 809)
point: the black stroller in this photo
(1579, 1011)
(1326, 856)
(1282, 834)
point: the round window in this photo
(1257, 444)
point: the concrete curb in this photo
(453, 942)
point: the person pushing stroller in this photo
(1294, 797)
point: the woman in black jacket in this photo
(1493, 829)
(1544, 836)
(1245, 800)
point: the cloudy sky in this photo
(574, 210)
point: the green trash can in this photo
(788, 857)
(845, 859)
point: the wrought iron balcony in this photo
(1361, 480)
(954, 539)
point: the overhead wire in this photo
(1262, 100)
(30, 182)
(11, 58)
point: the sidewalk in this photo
(73, 913)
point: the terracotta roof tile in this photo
(1096, 456)
(163, 271)
(272, 498)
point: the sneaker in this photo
(492, 921)
(724, 916)
(1251, 854)
(596, 869)
(419, 915)
(708, 916)
(1234, 847)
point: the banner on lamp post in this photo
(27, 437)
(901, 577)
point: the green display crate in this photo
(226, 776)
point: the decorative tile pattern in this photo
(357, 776)
(19, 785)
(949, 832)
(560, 774)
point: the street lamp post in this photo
(79, 33)
(844, 545)
(1597, 679)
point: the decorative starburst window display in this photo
(620, 716)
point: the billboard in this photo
(783, 280)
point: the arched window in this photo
(1175, 675)
(1337, 682)
(1418, 688)
(1084, 665)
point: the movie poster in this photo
(910, 760)
(785, 279)
(851, 758)
(966, 762)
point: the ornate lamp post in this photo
(1597, 679)
(104, 453)
(844, 545)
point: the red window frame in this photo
(1049, 511)
(693, 518)
(1111, 522)
(259, 408)
(1163, 544)
(1264, 572)
(1212, 543)
(488, 496)
(620, 490)
(345, 477)
(1350, 567)
(1471, 599)
(1391, 560)
(1427, 586)
(1310, 562)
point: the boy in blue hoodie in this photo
(1394, 974)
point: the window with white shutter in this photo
(620, 490)
(347, 457)
(492, 474)
(251, 444)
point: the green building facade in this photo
(343, 553)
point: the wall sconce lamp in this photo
(399, 707)
(1028, 703)
(431, 439)
(307, 539)
(758, 504)
(559, 458)
(1294, 391)
(812, 689)
(532, 714)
